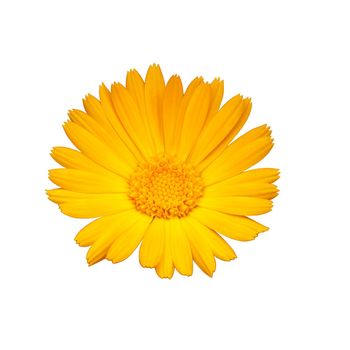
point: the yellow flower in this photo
(156, 166)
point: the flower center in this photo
(164, 188)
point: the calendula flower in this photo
(155, 165)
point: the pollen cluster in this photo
(164, 188)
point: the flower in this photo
(156, 166)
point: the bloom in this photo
(156, 166)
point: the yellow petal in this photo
(171, 108)
(180, 248)
(127, 241)
(217, 92)
(154, 92)
(253, 135)
(131, 118)
(88, 182)
(114, 123)
(228, 138)
(152, 246)
(238, 156)
(217, 128)
(217, 244)
(94, 205)
(244, 189)
(220, 247)
(92, 126)
(109, 137)
(165, 267)
(91, 232)
(136, 87)
(183, 107)
(94, 109)
(237, 205)
(261, 175)
(110, 228)
(97, 228)
(120, 163)
(194, 119)
(59, 196)
(200, 247)
(236, 227)
(70, 158)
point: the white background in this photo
(289, 289)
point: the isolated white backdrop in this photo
(288, 289)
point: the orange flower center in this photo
(164, 188)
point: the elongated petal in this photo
(216, 95)
(95, 205)
(95, 128)
(125, 243)
(121, 164)
(261, 175)
(194, 119)
(229, 188)
(154, 92)
(252, 135)
(218, 128)
(217, 244)
(88, 182)
(236, 227)
(183, 108)
(200, 247)
(238, 156)
(103, 113)
(180, 248)
(115, 125)
(59, 195)
(136, 87)
(131, 118)
(70, 158)
(97, 228)
(237, 205)
(110, 228)
(173, 96)
(220, 148)
(165, 267)
(220, 247)
(152, 246)
(91, 232)
(94, 109)
(109, 137)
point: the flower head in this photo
(155, 165)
